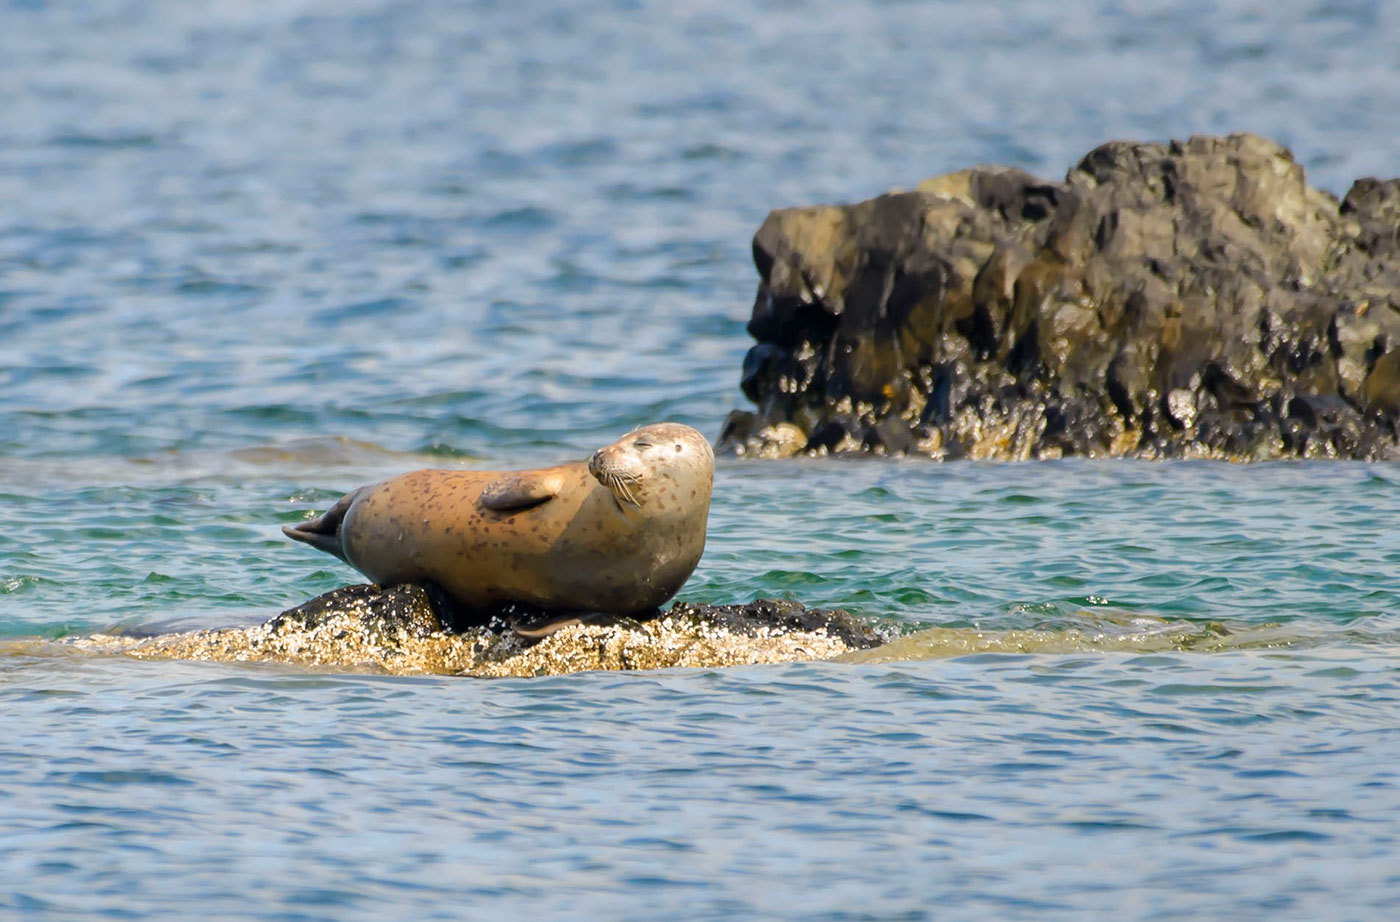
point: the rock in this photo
(402, 630)
(1189, 299)
(782, 440)
(775, 617)
(377, 611)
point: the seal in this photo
(617, 534)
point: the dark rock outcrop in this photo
(1189, 299)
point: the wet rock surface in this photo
(399, 630)
(775, 617)
(1182, 299)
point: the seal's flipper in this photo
(323, 532)
(538, 625)
(519, 492)
(541, 627)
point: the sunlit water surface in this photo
(253, 254)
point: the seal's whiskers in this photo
(620, 482)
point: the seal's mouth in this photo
(619, 482)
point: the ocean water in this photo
(253, 254)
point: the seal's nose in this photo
(595, 462)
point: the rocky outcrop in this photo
(1189, 299)
(401, 630)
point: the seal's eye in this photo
(641, 443)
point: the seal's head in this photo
(648, 467)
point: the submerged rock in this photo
(1189, 299)
(398, 630)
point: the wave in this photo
(1106, 633)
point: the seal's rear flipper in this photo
(306, 533)
(539, 624)
(323, 532)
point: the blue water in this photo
(253, 254)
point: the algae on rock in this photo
(398, 630)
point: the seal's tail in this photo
(323, 532)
